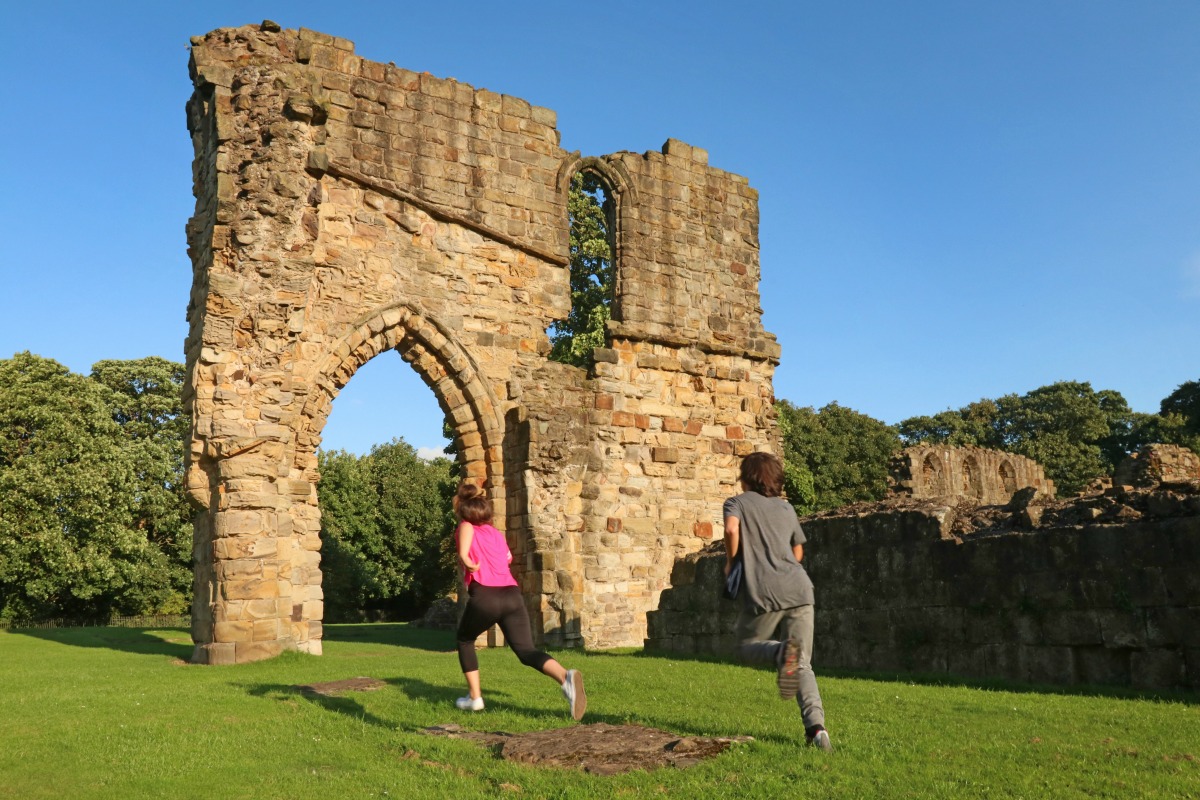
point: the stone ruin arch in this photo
(441, 362)
(345, 208)
(989, 477)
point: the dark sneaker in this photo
(789, 670)
(820, 739)
(572, 689)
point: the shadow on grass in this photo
(957, 681)
(497, 699)
(399, 634)
(337, 704)
(144, 641)
(417, 690)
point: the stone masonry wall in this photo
(346, 208)
(897, 592)
(1158, 463)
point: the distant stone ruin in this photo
(348, 209)
(990, 477)
(1158, 463)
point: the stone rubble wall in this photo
(897, 592)
(1158, 463)
(345, 208)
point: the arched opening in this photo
(972, 479)
(1008, 478)
(931, 475)
(385, 486)
(592, 219)
(462, 396)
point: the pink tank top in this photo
(489, 549)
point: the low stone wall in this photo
(897, 590)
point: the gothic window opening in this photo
(592, 216)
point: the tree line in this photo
(835, 455)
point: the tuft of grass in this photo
(117, 713)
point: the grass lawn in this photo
(113, 713)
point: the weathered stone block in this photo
(1157, 668)
(1102, 666)
(666, 455)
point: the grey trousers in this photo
(756, 645)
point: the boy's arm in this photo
(733, 531)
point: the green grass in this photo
(112, 713)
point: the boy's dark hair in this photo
(472, 504)
(763, 473)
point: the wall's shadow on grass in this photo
(338, 704)
(144, 641)
(399, 634)
(1001, 685)
(927, 679)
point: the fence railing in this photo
(150, 621)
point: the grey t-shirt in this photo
(773, 579)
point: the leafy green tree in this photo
(350, 534)
(797, 479)
(70, 543)
(1178, 420)
(414, 506)
(1062, 427)
(1184, 401)
(386, 524)
(971, 425)
(147, 404)
(592, 274)
(841, 453)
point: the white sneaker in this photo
(572, 689)
(469, 703)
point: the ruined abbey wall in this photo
(897, 590)
(346, 208)
(985, 476)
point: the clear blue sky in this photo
(959, 200)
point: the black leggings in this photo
(487, 606)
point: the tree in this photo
(798, 482)
(350, 534)
(844, 453)
(1185, 402)
(415, 513)
(573, 340)
(1178, 420)
(385, 530)
(971, 425)
(70, 545)
(147, 404)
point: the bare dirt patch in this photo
(334, 688)
(599, 748)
